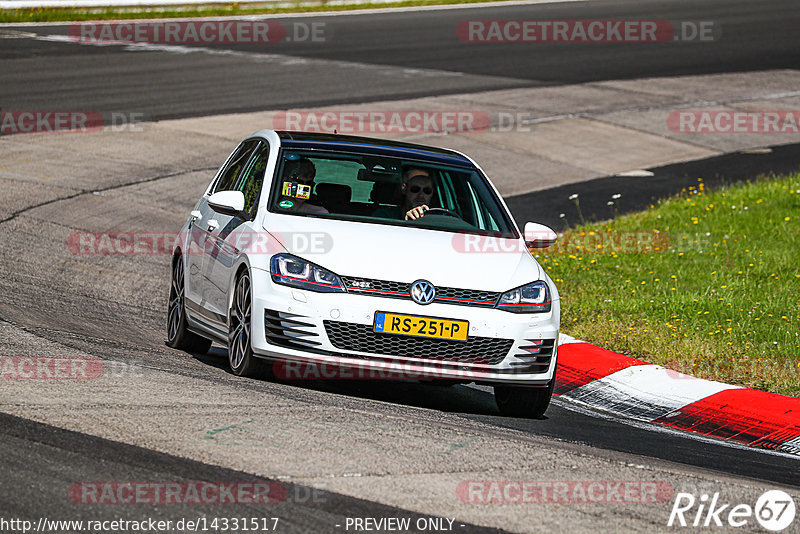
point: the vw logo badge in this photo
(423, 292)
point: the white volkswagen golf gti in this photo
(321, 249)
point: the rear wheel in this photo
(240, 350)
(516, 401)
(178, 336)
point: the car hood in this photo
(406, 254)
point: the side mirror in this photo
(539, 236)
(228, 202)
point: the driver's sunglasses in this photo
(414, 189)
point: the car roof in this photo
(367, 145)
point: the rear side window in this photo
(341, 171)
(228, 177)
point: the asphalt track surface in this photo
(361, 54)
(28, 449)
(546, 205)
(121, 322)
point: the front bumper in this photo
(329, 335)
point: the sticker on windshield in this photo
(285, 204)
(297, 190)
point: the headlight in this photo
(292, 271)
(530, 298)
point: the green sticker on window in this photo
(285, 204)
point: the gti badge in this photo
(423, 292)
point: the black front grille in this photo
(361, 338)
(288, 330)
(383, 288)
(402, 290)
(466, 297)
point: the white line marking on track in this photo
(278, 59)
(14, 34)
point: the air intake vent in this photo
(289, 330)
(534, 355)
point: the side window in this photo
(253, 178)
(227, 179)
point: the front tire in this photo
(240, 349)
(178, 336)
(516, 401)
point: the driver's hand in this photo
(416, 213)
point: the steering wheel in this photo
(443, 211)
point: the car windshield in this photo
(382, 190)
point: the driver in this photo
(417, 191)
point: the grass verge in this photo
(706, 283)
(60, 14)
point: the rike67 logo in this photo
(774, 511)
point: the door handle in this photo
(212, 225)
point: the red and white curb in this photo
(612, 382)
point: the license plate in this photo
(414, 325)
